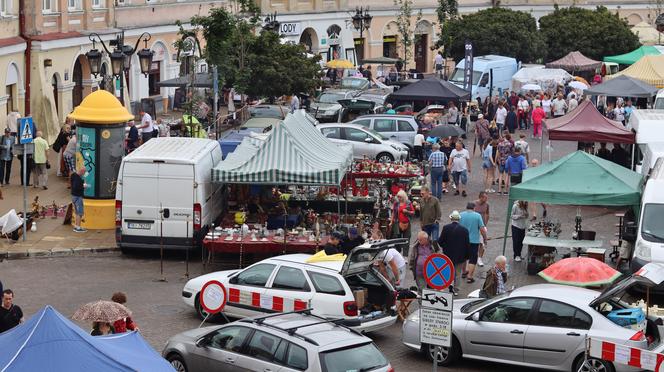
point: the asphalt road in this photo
(68, 282)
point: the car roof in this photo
(390, 116)
(577, 296)
(260, 122)
(301, 258)
(327, 335)
(346, 125)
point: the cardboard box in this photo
(360, 295)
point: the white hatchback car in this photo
(288, 283)
(366, 142)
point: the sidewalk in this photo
(52, 238)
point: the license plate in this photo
(140, 225)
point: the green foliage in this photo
(256, 65)
(404, 23)
(494, 31)
(595, 33)
(447, 10)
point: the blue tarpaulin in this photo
(50, 342)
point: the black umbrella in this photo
(446, 130)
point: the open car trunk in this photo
(620, 296)
(374, 295)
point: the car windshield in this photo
(354, 83)
(376, 134)
(659, 103)
(652, 226)
(330, 97)
(268, 112)
(364, 357)
(457, 77)
(472, 306)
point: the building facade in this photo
(12, 63)
(325, 27)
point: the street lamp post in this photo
(361, 22)
(120, 57)
(271, 23)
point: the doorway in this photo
(390, 46)
(420, 56)
(154, 76)
(54, 84)
(77, 78)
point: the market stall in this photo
(649, 69)
(429, 91)
(576, 179)
(293, 160)
(548, 79)
(575, 62)
(635, 55)
(623, 86)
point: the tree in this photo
(494, 31)
(406, 33)
(595, 33)
(255, 64)
(446, 11)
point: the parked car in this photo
(366, 142)
(290, 282)
(296, 341)
(355, 83)
(260, 124)
(326, 107)
(164, 190)
(269, 111)
(395, 127)
(540, 326)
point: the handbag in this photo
(48, 165)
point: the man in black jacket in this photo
(455, 242)
(77, 187)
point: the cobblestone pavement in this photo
(68, 282)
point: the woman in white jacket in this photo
(519, 220)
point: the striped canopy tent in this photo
(649, 69)
(295, 153)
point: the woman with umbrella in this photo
(102, 314)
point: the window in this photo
(326, 284)
(405, 126)
(290, 278)
(385, 125)
(514, 311)
(263, 346)
(356, 135)
(4, 7)
(297, 357)
(48, 6)
(229, 338)
(484, 80)
(353, 358)
(256, 275)
(333, 132)
(97, 4)
(73, 5)
(364, 122)
(652, 227)
(557, 314)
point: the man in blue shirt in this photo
(474, 223)
(515, 166)
(437, 161)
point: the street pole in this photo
(215, 88)
(25, 190)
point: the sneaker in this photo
(445, 191)
(45, 188)
(463, 193)
(517, 259)
(79, 229)
(456, 192)
(492, 190)
(454, 186)
(480, 263)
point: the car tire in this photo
(594, 365)
(202, 314)
(384, 157)
(447, 357)
(177, 362)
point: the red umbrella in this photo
(580, 271)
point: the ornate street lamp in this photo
(659, 22)
(120, 56)
(271, 23)
(361, 20)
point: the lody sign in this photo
(290, 28)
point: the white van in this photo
(659, 100)
(652, 152)
(491, 75)
(165, 186)
(649, 245)
(649, 128)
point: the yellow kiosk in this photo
(100, 130)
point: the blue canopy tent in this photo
(50, 342)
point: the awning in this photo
(430, 89)
(575, 61)
(586, 124)
(622, 86)
(381, 60)
(201, 80)
(295, 153)
(649, 69)
(633, 56)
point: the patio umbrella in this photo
(102, 311)
(579, 78)
(578, 85)
(580, 272)
(340, 63)
(446, 130)
(531, 87)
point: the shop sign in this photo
(290, 28)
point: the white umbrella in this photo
(534, 87)
(578, 85)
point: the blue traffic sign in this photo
(438, 271)
(26, 130)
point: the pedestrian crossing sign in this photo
(26, 130)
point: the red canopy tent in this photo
(586, 124)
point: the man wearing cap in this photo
(333, 245)
(481, 132)
(354, 239)
(454, 240)
(474, 223)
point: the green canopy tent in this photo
(577, 179)
(633, 56)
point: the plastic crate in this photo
(633, 318)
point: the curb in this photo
(54, 252)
